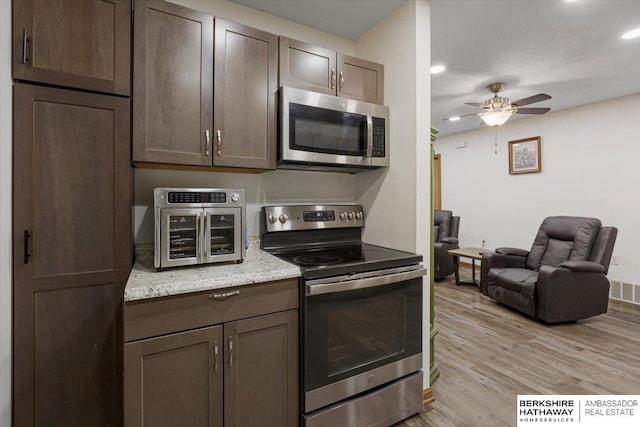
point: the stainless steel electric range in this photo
(361, 316)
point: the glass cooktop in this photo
(346, 259)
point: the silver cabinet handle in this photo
(25, 41)
(224, 295)
(215, 356)
(230, 351)
(207, 137)
(219, 141)
(333, 78)
(341, 81)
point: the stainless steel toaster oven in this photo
(198, 226)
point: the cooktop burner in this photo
(320, 259)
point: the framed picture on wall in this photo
(525, 156)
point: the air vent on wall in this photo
(627, 292)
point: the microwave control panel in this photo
(378, 137)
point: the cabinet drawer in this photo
(159, 316)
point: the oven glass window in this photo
(221, 235)
(321, 130)
(182, 236)
(364, 332)
(347, 333)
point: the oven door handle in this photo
(369, 282)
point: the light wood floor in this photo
(488, 354)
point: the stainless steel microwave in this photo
(198, 226)
(325, 132)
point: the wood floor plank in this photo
(488, 354)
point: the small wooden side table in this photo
(474, 254)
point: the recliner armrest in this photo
(450, 240)
(582, 266)
(512, 251)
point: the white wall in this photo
(589, 168)
(277, 187)
(397, 198)
(5, 213)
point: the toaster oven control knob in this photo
(273, 218)
(235, 197)
(343, 216)
(350, 215)
(358, 215)
(283, 218)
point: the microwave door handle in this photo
(369, 136)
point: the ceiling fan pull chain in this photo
(495, 141)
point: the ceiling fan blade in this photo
(448, 119)
(532, 110)
(531, 99)
(474, 104)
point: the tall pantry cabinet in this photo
(71, 210)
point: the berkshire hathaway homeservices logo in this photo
(578, 410)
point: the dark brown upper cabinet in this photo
(314, 68)
(172, 84)
(187, 113)
(71, 255)
(246, 82)
(83, 44)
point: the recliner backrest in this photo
(442, 224)
(603, 248)
(455, 226)
(563, 238)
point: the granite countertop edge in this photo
(145, 282)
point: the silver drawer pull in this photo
(215, 356)
(224, 295)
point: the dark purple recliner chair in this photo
(562, 278)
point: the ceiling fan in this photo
(498, 109)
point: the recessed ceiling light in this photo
(454, 118)
(631, 34)
(437, 69)
(571, 1)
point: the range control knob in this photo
(283, 218)
(272, 218)
(235, 197)
(350, 215)
(358, 215)
(343, 216)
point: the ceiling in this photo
(570, 50)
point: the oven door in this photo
(324, 129)
(222, 238)
(180, 238)
(360, 331)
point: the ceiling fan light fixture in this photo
(496, 118)
(631, 34)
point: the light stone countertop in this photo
(259, 266)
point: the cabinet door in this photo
(71, 255)
(172, 84)
(175, 380)
(261, 371)
(360, 79)
(83, 44)
(246, 67)
(308, 67)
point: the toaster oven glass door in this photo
(222, 234)
(180, 237)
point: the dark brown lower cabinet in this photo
(71, 255)
(240, 373)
